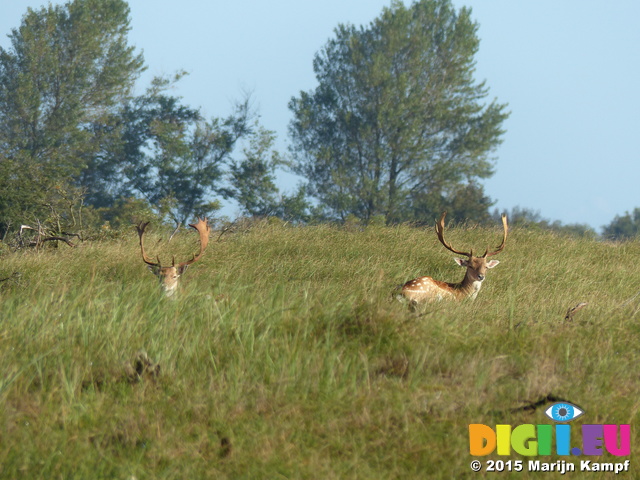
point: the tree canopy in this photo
(170, 155)
(397, 125)
(623, 227)
(72, 133)
(68, 69)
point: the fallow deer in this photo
(426, 289)
(169, 275)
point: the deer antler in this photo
(203, 229)
(141, 227)
(440, 233)
(505, 227)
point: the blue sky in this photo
(568, 69)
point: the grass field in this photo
(283, 356)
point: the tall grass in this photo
(283, 356)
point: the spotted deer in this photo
(169, 275)
(426, 289)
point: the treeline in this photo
(78, 149)
(397, 130)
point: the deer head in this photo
(169, 275)
(476, 266)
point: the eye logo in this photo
(563, 412)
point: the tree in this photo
(171, 155)
(252, 179)
(527, 218)
(61, 83)
(252, 182)
(166, 153)
(397, 115)
(67, 70)
(623, 227)
(463, 202)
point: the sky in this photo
(568, 70)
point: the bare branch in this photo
(175, 231)
(13, 275)
(573, 310)
(61, 239)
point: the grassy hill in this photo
(283, 356)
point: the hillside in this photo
(283, 356)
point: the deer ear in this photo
(492, 263)
(462, 262)
(153, 269)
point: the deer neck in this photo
(468, 287)
(170, 290)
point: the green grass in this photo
(283, 356)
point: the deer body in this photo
(427, 289)
(169, 275)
